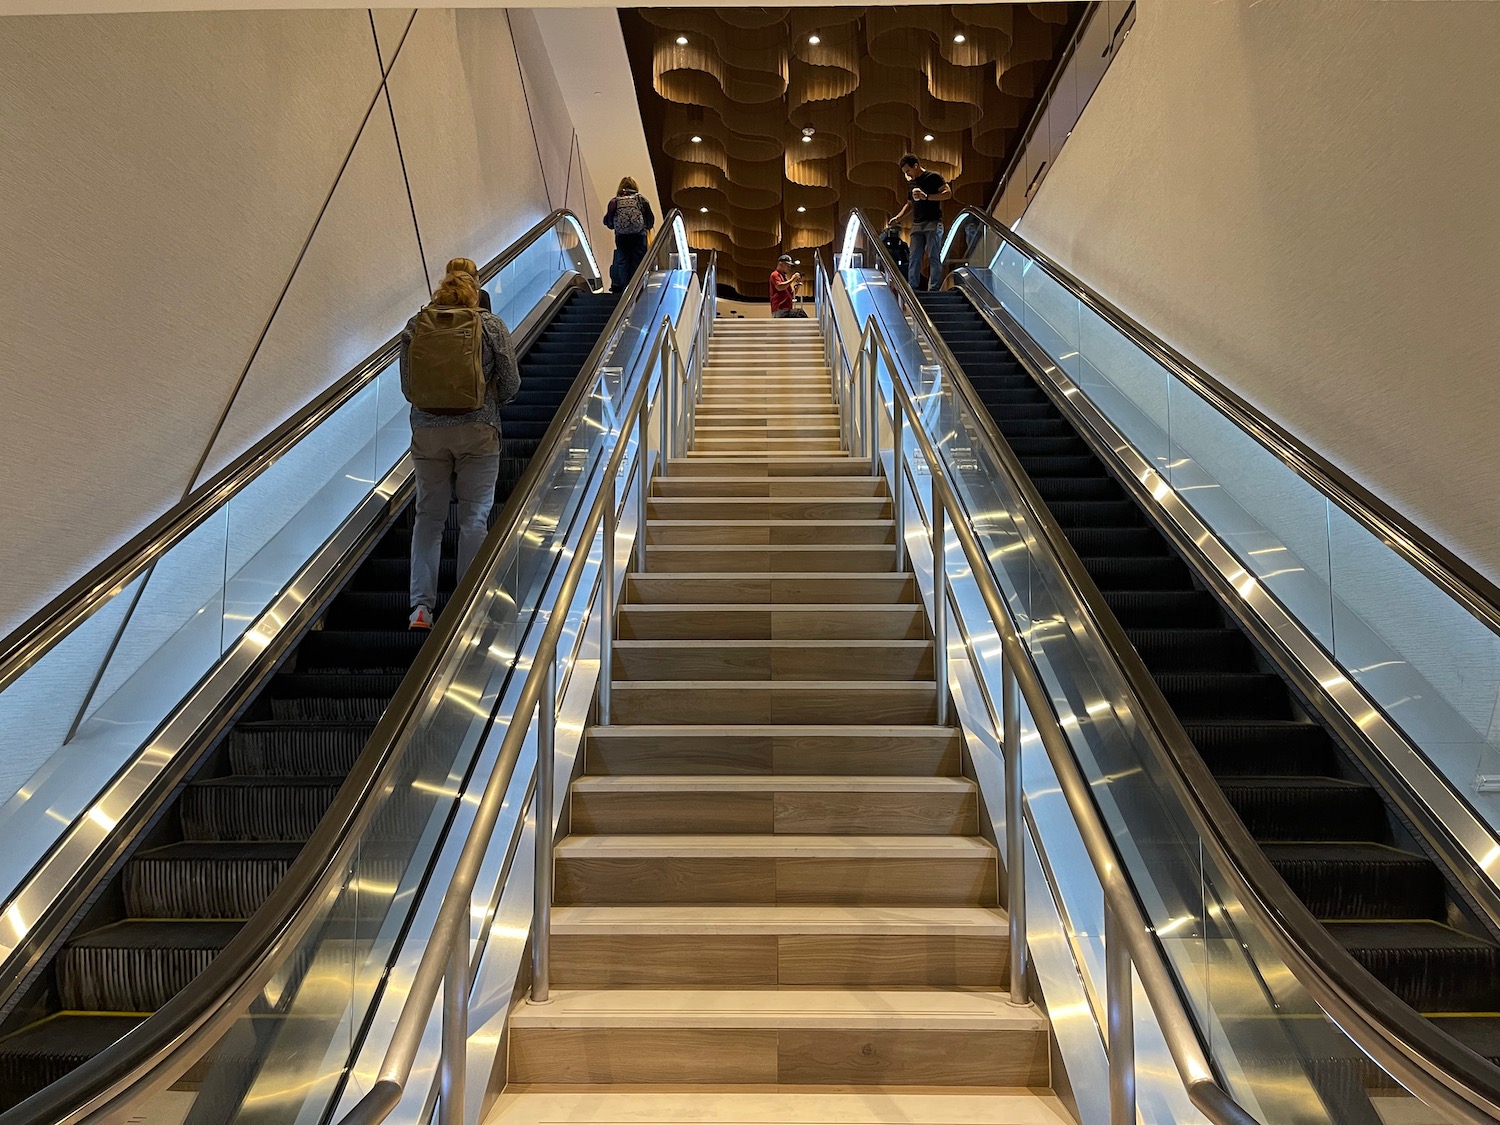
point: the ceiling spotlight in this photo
(927, 136)
(807, 140)
(808, 130)
(699, 140)
(798, 262)
(800, 210)
(959, 38)
(703, 210)
(682, 40)
(814, 40)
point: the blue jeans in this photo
(630, 251)
(926, 242)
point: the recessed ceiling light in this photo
(959, 38)
(814, 40)
(682, 40)
(927, 136)
(699, 140)
(807, 140)
(801, 209)
(798, 262)
(703, 210)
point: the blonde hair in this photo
(463, 265)
(627, 183)
(457, 290)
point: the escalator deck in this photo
(243, 817)
(1322, 825)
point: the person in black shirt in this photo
(926, 221)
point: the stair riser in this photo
(808, 755)
(764, 466)
(707, 444)
(751, 702)
(938, 960)
(885, 589)
(787, 813)
(226, 813)
(768, 487)
(740, 429)
(819, 1056)
(704, 661)
(167, 888)
(820, 508)
(800, 532)
(718, 622)
(767, 560)
(760, 881)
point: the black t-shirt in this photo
(927, 210)
(484, 301)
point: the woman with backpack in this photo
(630, 217)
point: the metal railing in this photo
(445, 963)
(1423, 1058)
(1130, 940)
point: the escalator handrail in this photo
(1397, 1037)
(154, 1053)
(1479, 596)
(35, 637)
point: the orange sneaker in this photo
(421, 618)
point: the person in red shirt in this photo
(784, 285)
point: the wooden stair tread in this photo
(790, 919)
(775, 847)
(764, 783)
(770, 1008)
(656, 644)
(780, 730)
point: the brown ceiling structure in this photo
(766, 139)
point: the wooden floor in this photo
(772, 881)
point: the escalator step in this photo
(1340, 881)
(1185, 650)
(1431, 966)
(357, 709)
(1033, 411)
(1163, 572)
(1162, 609)
(1117, 541)
(137, 966)
(50, 1049)
(297, 749)
(1306, 808)
(395, 574)
(256, 808)
(359, 650)
(1242, 747)
(1084, 465)
(1046, 427)
(1089, 513)
(1046, 446)
(372, 610)
(205, 880)
(1218, 695)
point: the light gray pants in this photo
(470, 454)
(926, 241)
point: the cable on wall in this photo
(385, 86)
(526, 97)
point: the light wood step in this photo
(762, 465)
(836, 805)
(714, 412)
(801, 507)
(771, 532)
(787, 749)
(757, 660)
(707, 443)
(663, 702)
(768, 486)
(846, 1037)
(767, 621)
(759, 588)
(767, 427)
(764, 870)
(779, 947)
(793, 557)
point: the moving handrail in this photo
(1426, 1060)
(1458, 579)
(26, 644)
(445, 961)
(160, 1049)
(1130, 940)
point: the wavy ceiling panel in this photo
(793, 133)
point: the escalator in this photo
(223, 841)
(1337, 839)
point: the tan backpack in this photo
(445, 372)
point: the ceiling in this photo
(765, 138)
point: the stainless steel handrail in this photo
(1127, 926)
(1462, 582)
(158, 1050)
(445, 961)
(1421, 1056)
(31, 640)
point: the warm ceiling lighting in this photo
(814, 40)
(682, 40)
(703, 210)
(927, 136)
(697, 140)
(807, 140)
(959, 38)
(798, 262)
(800, 210)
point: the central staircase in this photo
(770, 878)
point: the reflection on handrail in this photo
(446, 960)
(1425, 1059)
(156, 1053)
(1477, 594)
(1130, 941)
(31, 640)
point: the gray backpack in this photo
(630, 217)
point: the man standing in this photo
(927, 188)
(784, 288)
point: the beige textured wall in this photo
(164, 178)
(1305, 199)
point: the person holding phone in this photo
(784, 286)
(927, 188)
